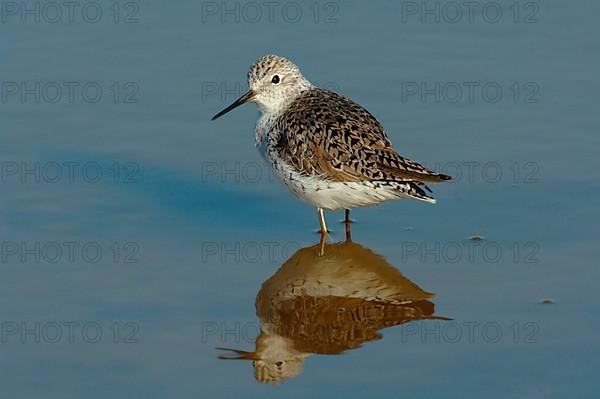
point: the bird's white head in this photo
(273, 83)
(276, 81)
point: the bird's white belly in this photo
(330, 195)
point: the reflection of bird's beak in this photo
(237, 354)
(243, 99)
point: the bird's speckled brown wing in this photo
(323, 133)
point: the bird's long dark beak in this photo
(243, 99)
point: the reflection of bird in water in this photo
(327, 304)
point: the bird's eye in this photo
(275, 79)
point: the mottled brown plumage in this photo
(323, 133)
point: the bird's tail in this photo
(416, 191)
(411, 189)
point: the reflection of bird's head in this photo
(327, 302)
(275, 371)
(274, 360)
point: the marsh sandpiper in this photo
(326, 149)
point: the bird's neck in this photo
(263, 126)
(272, 111)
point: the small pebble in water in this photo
(476, 238)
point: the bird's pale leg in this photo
(347, 223)
(322, 245)
(322, 221)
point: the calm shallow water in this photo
(190, 224)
